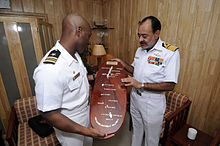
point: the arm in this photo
(126, 66)
(67, 125)
(91, 77)
(163, 86)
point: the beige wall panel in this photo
(59, 14)
(16, 5)
(5, 108)
(28, 5)
(56, 10)
(51, 11)
(17, 58)
(39, 6)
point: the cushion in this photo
(175, 100)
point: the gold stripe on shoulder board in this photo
(170, 47)
(52, 57)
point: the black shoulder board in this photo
(170, 47)
(52, 57)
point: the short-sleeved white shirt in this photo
(156, 65)
(63, 85)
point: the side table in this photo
(180, 138)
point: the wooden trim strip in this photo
(45, 37)
(17, 58)
(36, 40)
(4, 105)
(25, 14)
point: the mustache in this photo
(143, 43)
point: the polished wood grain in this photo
(109, 97)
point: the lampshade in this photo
(98, 50)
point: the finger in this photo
(115, 59)
(128, 84)
(109, 136)
(125, 80)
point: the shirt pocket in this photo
(136, 60)
(75, 82)
(157, 69)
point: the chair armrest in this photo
(175, 120)
(216, 140)
(12, 131)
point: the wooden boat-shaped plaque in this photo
(109, 97)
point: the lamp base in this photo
(99, 59)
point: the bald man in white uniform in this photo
(62, 88)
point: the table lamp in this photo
(98, 51)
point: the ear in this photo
(157, 33)
(78, 31)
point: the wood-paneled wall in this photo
(193, 26)
(56, 10)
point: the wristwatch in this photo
(142, 85)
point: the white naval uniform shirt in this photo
(157, 65)
(59, 87)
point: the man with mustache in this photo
(155, 70)
(62, 88)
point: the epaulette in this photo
(52, 57)
(170, 47)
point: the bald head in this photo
(75, 33)
(72, 21)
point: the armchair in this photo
(177, 108)
(19, 133)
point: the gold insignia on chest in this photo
(76, 76)
(158, 55)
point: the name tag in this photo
(111, 63)
(76, 76)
